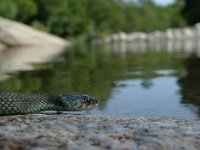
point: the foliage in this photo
(92, 17)
(191, 11)
(105, 14)
(150, 17)
(21, 10)
(176, 19)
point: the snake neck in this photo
(57, 103)
(52, 102)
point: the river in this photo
(141, 83)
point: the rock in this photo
(13, 33)
(2, 46)
(122, 36)
(188, 33)
(77, 132)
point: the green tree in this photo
(8, 9)
(131, 16)
(191, 11)
(176, 18)
(64, 18)
(146, 16)
(107, 15)
(72, 18)
(20, 10)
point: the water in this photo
(148, 83)
(162, 99)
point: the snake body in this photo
(19, 103)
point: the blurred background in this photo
(69, 18)
(139, 57)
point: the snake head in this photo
(76, 102)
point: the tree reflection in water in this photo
(190, 83)
(94, 71)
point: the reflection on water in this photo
(148, 83)
(23, 58)
(161, 98)
(190, 83)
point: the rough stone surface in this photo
(13, 33)
(85, 132)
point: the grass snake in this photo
(19, 103)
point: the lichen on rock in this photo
(93, 132)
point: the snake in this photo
(23, 103)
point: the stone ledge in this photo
(79, 132)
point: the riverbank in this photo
(79, 132)
(172, 40)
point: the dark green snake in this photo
(18, 103)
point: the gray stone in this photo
(79, 132)
(2, 46)
(13, 33)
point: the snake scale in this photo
(19, 103)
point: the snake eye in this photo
(87, 101)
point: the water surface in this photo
(147, 83)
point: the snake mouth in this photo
(92, 105)
(87, 106)
(89, 102)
